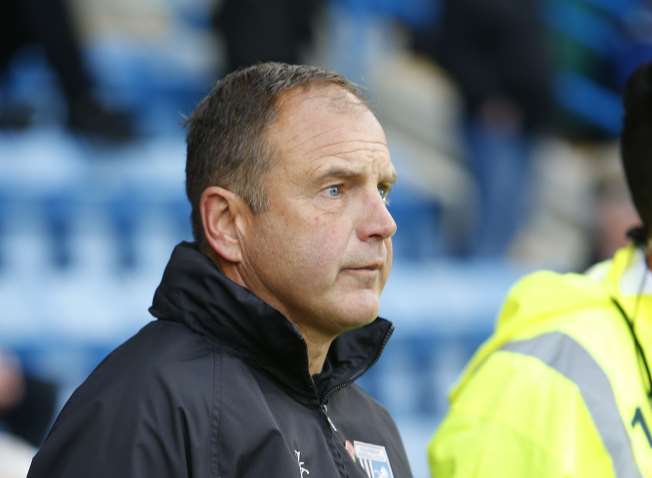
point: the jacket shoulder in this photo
(516, 415)
(161, 355)
(541, 302)
(143, 408)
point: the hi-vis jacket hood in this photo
(560, 389)
(219, 387)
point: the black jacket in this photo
(219, 387)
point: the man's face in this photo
(322, 251)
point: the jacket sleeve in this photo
(517, 417)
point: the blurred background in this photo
(502, 118)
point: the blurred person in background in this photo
(15, 454)
(27, 403)
(26, 408)
(495, 52)
(563, 388)
(256, 31)
(49, 25)
(268, 318)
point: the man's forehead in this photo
(332, 96)
(322, 111)
(318, 125)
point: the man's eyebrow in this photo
(352, 172)
(340, 172)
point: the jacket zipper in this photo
(324, 410)
(335, 450)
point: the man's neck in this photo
(317, 346)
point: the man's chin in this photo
(360, 310)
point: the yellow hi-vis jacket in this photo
(560, 389)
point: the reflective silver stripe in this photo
(562, 353)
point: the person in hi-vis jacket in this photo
(563, 387)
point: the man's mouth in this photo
(369, 268)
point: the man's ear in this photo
(219, 209)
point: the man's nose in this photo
(376, 220)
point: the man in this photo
(265, 322)
(563, 387)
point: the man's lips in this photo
(371, 267)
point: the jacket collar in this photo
(194, 291)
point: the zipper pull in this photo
(324, 410)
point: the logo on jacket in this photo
(302, 471)
(373, 459)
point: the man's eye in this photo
(334, 190)
(383, 189)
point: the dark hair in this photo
(636, 142)
(226, 143)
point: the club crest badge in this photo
(373, 459)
